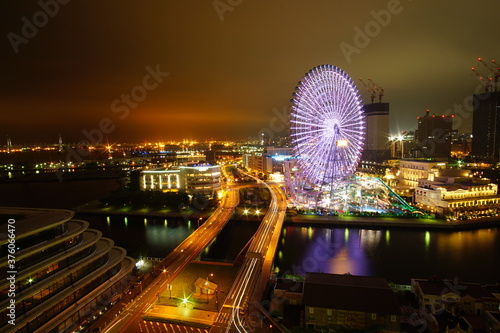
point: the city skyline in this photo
(165, 71)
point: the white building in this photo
(410, 171)
(457, 195)
(258, 162)
(195, 178)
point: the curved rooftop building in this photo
(56, 273)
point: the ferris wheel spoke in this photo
(326, 111)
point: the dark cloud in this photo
(225, 77)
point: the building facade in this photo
(194, 178)
(410, 171)
(435, 295)
(333, 301)
(455, 194)
(260, 162)
(433, 136)
(376, 147)
(402, 145)
(486, 127)
(64, 274)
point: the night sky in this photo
(221, 67)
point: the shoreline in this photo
(312, 220)
(92, 209)
(390, 222)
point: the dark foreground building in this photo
(56, 274)
(354, 302)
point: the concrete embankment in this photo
(390, 222)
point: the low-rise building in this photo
(192, 178)
(355, 302)
(410, 171)
(455, 194)
(435, 295)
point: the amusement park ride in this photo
(327, 128)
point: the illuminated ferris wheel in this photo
(327, 125)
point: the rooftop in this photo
(28, 220)
(440, 287)
(349, 292)
(290, 285)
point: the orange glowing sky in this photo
(226, 76)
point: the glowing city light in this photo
(342, 143)
(327, 125)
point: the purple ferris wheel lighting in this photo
(327, 125)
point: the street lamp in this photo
(217, 298)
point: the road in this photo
(254, 273)
(130, 319)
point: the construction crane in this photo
(485, 80)
(488, 80)
(379, 89)
(372, 92)
(491, 66)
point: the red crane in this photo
(372, 92)
(491, 77)
(379, 89)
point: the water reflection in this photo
(457, 247)
(331, 251)
(397, 255)
(156, 235)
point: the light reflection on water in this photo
(158, 235)
(398, 254)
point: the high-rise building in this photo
(376, 148)
(402, 145)
(433, 136)
(485, 126)
(56, 273)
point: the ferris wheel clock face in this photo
(327, 125)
